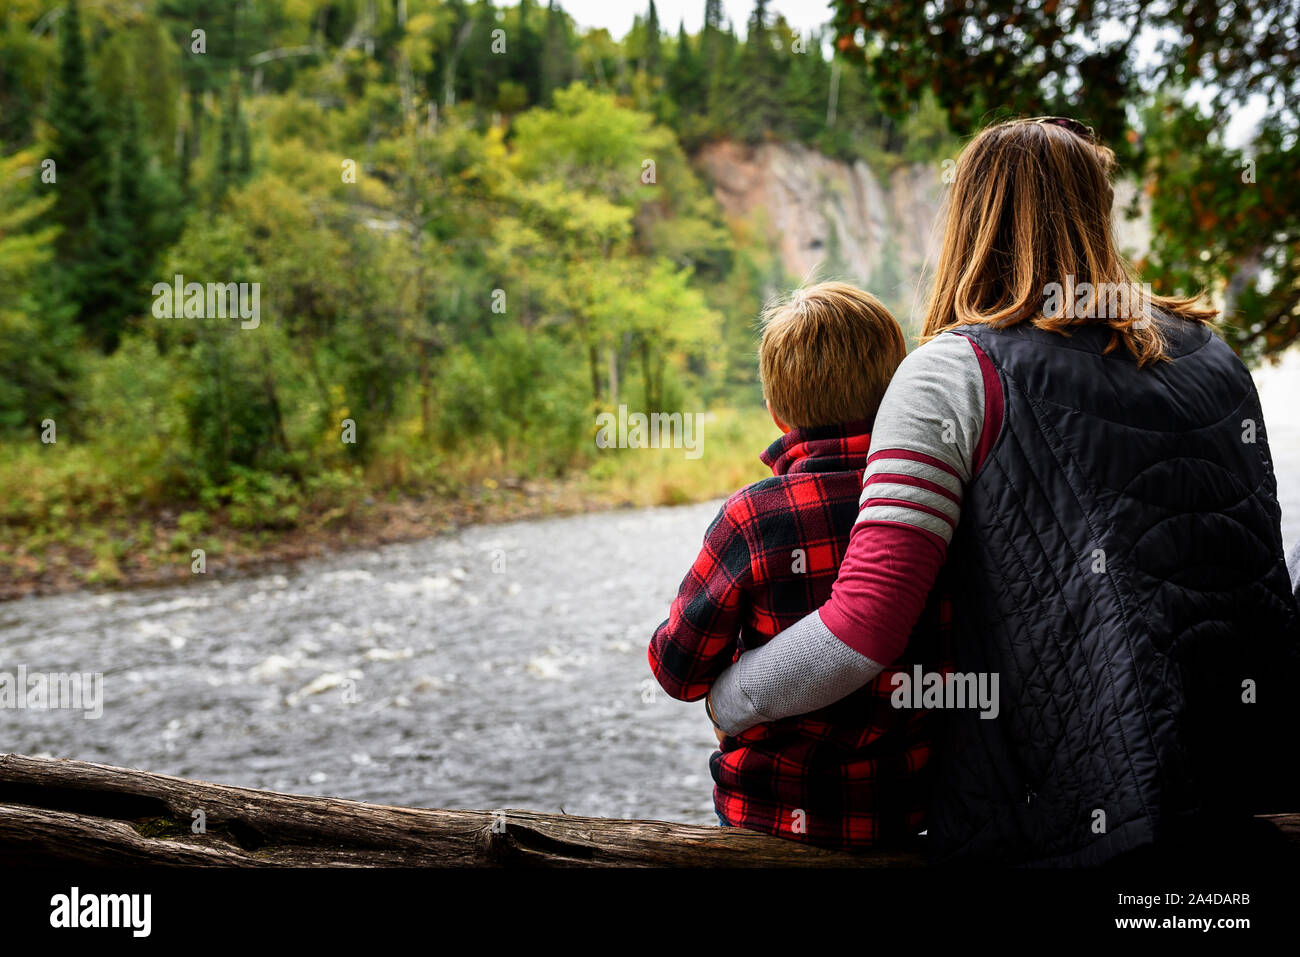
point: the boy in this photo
(853, 774)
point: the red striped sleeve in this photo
(898, 478)
(882, 588)
(890, 565)
(912, 456)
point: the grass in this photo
(731, 443)
(85, 514)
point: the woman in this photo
(1090, 467)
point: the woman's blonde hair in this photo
(1029, 216)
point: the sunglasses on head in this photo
(1065, 122)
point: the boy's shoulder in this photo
(780, 497)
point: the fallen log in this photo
(58, 812)
(55, 811)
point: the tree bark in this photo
(58, 812)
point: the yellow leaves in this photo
(22, 252)
(300, 11)
(338, 412)
(423, 25)
(591, 143)
(417, 44)
(496, 162)
(270, 204)
(494, 142)
(651, 298)
(581, 218)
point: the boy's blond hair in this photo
(827, 354)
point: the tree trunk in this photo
(59, 812)
(833, 97)
(273, 400)
(72, 812)
(426, 391)
(647, 391)
(611, 362)
(593, 364)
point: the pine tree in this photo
(652, 47)
(227, 144)
(227, 38)
(449, 60)
(717, 49)
(711, 33)
(149, 200)
(38, 356)
(526, 56)
(759, 81)
(712, 15)
(79, 147)
(685, 84)
(84, 169)
(804, 93)
(557, 56)
(483, 67)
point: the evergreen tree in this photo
(712, 16)
(225, 36)
(557, 53)
(652, 48)
(448, 61)
(685, 84)
(83, 210)
(758, 84)
(804, 93)
(232, 144)
(79, 146)
(149, 200)
(38, 359)
(484, 69)
(711, 38)
(723, 104)
(21, 83)
(526, 56)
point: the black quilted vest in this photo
(1119, 564)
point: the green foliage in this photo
(255, 499)
(115, 203)
(465, 251)
(1215, 228)
(39, 362)
(24, 74)
(1230, 222)
(516, 391)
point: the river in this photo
(504, 666)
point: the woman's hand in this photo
(708, 709)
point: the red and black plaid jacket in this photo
(853, 774)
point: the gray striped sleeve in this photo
(933, 413)
(809, 669)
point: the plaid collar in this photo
(822, 448)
